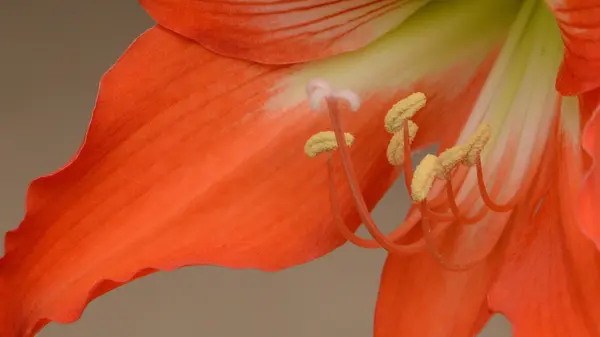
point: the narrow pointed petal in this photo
(192, 158)
(419, 298)
(282, 31)
(551, 275)
(579, 21)
(589, 214)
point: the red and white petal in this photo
(467, 33)
(282, 31)
(421, 297)
(517, 101)
(192, 158)
(551, 273)
(579, 21)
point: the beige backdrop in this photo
(52, 55)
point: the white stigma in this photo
(319, 90)
(349, 96)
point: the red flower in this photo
(195, 156)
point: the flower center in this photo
(403, 130)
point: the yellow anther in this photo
(395, 150)
(466, 154)
(323, 142)
(404, 109)
(477, 142)
(451, 158)
(424, 176)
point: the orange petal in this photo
(421, 298)
(551, 276)
(518, 99)
(281, 31)
(189, 160)
(418, 298)
(579, 21)
(589, 214)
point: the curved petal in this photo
(181, 166)
(589, 199)
(579, 21)
(281, 31)
(419, 298)
(465, 32)
(192, 158)
(549, 282)
(518, 99)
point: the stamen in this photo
(428, 170)
(404, 109)
(459, 218)
(351, 176)
(468, 154)
(339, 222)
(509, 206)
(363, 211)
(476, 144)
(424, 176)
(396, 234)
(408, 170)
(430, 244)
(419, 182)
(324, 142)
(451, 158)
(395, 150)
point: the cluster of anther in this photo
(432, 167)
(398, 123)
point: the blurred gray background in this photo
(52, 56)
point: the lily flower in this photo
(203, 149)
